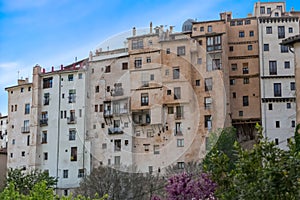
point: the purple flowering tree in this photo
(184, 186)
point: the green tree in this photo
(24, 182)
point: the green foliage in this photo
(24, 182)
(265, 172)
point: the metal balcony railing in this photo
(25, 129)
(44, 122)
(71, 120)
(116, 130)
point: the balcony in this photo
(117, 92)
(25, 129)
(178, 116)
(44, 122)
(107, 113)
(71, 120)
(116, 130)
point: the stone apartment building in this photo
(46, 125)
(277, 76)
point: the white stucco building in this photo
(276, 71)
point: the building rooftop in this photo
(291, 40)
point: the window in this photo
(247, 21)
(284, 49)
(44, 137)
(13, 141)
(279, 8)
(80, 173)
(240, 22)
(250, 47)
(245, 69)
(180, 165)
(148, 59)
(73, 153)
(241, 113)
(277, 89)
(293, 123)
(169, 92)
(150, 169)
(269, 29)
(44, 120)
(28, 140)
(47, 82)
(208, 84)
(246, 80)
(277, 124)
(144, 99)
(281, 32)
(124, 65)
(107, 69)
(287, 65)
(268, 10)
(171, 110)
(72, 96)
(177, 93)
(180, 142)
(290, 29)
(29, 89)
(137, 44)
(216, 64)
(234, 95)
(72, 134)
(168, 51)
(45, 155)
(198, 82)
(46, 99)
(288, 105)
(117, 145)
(232, 81)
(241, 34)
(209, 29)
(138, 62)
(251, 33)
(176, 73)
(22, 90)
(80, 76)
(207, 121)
(273, 67)
(233, 67)
(23, 153)
(27, 108)
(179, 112)
(181, 51)
(293, 86)
(16, 107)
(146, 147)
(104, 146)
(276, 141)
(214, 43)
(117, 160)
(156, 149)
(266, 47)
(231, 48)
(199, 61)
(201, 28)
(97, 88)
(70, 77)
(65, 173)
(207, 102)
(270, 106)
(276, 14)
(245, 101)
(178, 130)
(232, 23)
(96, 108)
(262, 10)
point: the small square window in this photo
(241, 34)
(290, 29)
(151, 77)
(70, 77)
(288, 105)
(23, 153)
(45, 155)
(168, 51)
(241, 113)
(250, 47)
(276, 141)
(269, 29)
(234, 95)
(270, 106)
(233, 67)
(22, 89)
(107, 69)
(266, 47)
(293, 123)
(293, 86)
(277, 124)
(287, 65)
(65, 174)
(169, 92)
(246, 80)
(80, 76)
(104, 145)
(201, 28)
(232, 81)
(170, 110)
(125, 66)
(148, 60)
(251, 33)
(199, 61)
(197, 82)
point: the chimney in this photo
(161, 28)
(133, 31)
(44, 71)
(171, 29)
(150, 27)
(26, 80)
(61, 67)
(91, 55)
(292, 9)
(52, 69)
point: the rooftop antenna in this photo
(76, 59)
(18, 74)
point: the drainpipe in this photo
(262, 82)
(58, 127)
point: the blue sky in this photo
(52, 32)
